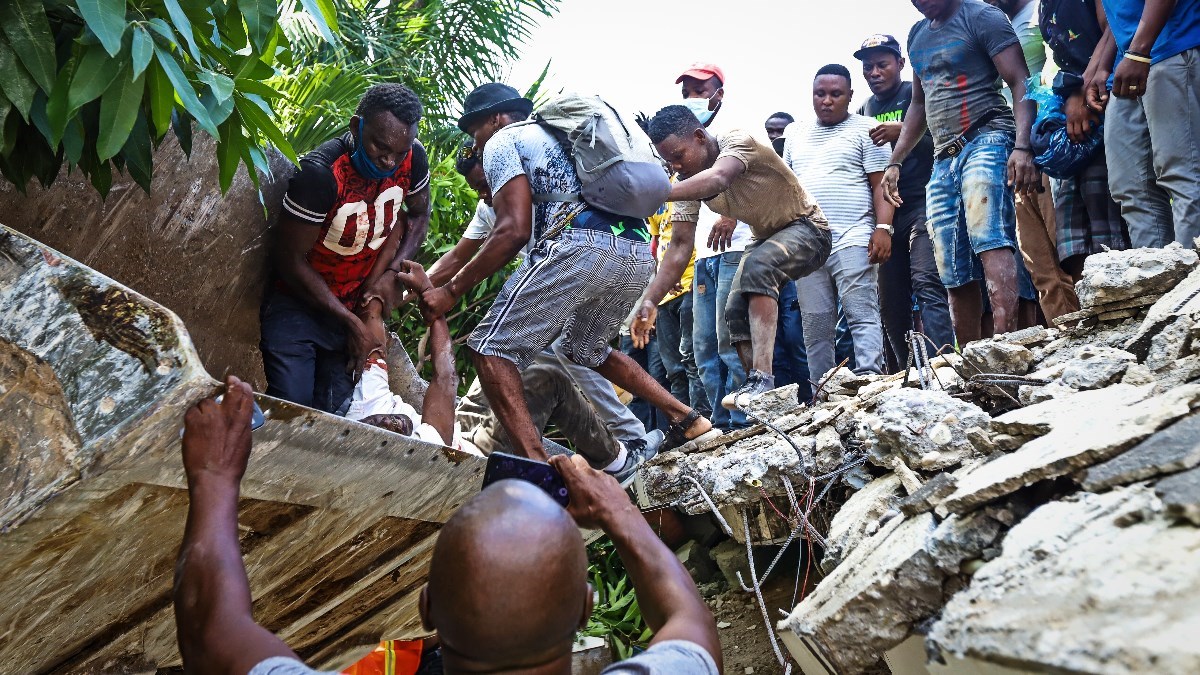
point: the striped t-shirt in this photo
(832, 163)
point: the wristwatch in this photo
(886, 226)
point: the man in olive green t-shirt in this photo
(739, 177)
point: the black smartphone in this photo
(501, 465)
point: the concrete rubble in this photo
(1004, 507)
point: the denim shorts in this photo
(970, 207)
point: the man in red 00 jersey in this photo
(356, 209)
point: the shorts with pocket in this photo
(796, 251)
(970, 207)
(581, 284)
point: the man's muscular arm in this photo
(294, 239)
(914, 127)
(418, 208)
(708, 183)
(514, 224)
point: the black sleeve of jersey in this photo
(311, 192)
(419, 169)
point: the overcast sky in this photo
(631, 51)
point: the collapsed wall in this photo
(1033, 504)
(337, 519)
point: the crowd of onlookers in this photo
(925, 215)
(941, 218)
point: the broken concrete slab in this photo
(1087, 435)
(1113, 276)
(776, 402)
(1106, 311)
(1028, 336)
(1175, 448)
(1094, 367)
(1074, 592)
(927, 429)
(859, 518)
(888, 583)
(995, 357)
(929, 496)
(1184, 298)
(87, 566)
(1180, 495)
(1172, 343)
(733, 476)
(1042, 418)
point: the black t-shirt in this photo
(914, 175)
(1071, 29)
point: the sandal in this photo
(677, 432)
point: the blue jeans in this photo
(647, 357)
(970, 208)
(791, 361)
(674, 333)
(304, 355)
(720, 369)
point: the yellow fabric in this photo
(660, 226)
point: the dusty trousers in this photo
(1038, 242)
(552, 398)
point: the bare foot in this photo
(216, 436)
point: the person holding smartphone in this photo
(508, 585)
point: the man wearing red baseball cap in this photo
(720, 242)
(703, 90)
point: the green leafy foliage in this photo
(438, 48)
(97, 83)
(453, 202)
(616, 614)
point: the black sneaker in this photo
(757, 382)
(638, 453)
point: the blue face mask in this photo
(363, 164)
(699, 108)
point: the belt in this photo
(956, 146)
(623, 227)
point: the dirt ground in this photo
(744, 641)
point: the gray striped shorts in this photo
(581, 284)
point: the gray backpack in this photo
(618, 167)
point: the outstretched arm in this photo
(213, 621)
(915, 126)
(670, 271)
(708, 183)
(418, 209)
(514, 224)
(666, 593)
(438, 408)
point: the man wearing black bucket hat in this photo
(580, 280)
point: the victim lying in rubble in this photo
(1002, 505)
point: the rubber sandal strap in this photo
(677, 432)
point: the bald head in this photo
(508, 579)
